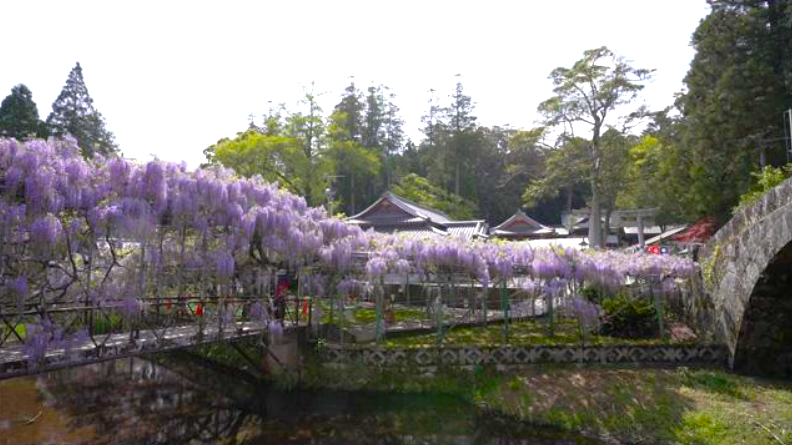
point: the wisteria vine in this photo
(120, 234)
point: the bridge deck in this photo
(14, 359)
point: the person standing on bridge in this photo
(280, 299)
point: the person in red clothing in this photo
(280, 299)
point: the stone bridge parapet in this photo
(744, 270)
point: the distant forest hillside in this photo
(694, 158)
(595, 147)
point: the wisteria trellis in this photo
(136, 238)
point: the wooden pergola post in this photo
(641, 240)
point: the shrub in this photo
(592, 294)
(628, 317)
(764, 181)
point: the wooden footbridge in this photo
(110, 332)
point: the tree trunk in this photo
(456, 177)
(595, 225)
(387, 172)
(352, 191)
(641, 239)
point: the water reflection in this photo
(180, 400)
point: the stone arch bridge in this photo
(747, 273)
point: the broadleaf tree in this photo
(291, 151)
(422, 191)
(589, 94)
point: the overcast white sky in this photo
(173, 77)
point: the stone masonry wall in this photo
(737, 256)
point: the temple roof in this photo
(393, 207)
(521, 225)
(392, 213)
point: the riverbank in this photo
(162, 398)
(620, 404)
(649, 405)
(617, 404)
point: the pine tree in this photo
(73, 113)
(588, 94)
(19, 116)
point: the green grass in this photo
(20, 329)
(107, 324)
(696, 407)
(622, 405)
(526, 332)
(354, 315)
(102, 325)
(366, 316)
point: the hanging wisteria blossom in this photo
(117, 233)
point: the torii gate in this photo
(638, 214)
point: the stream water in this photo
(175, 400)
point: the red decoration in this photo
(305, 306)
(700, 232)
(198, 309)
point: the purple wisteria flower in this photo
(224, 265)
(586, 312)
(376, 267)
(259, 312)
(39, 337)
(130, 307)
(275, 328)
(155, 227)
(18, 287)
(45, 233)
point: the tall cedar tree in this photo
(351, 104)
(738, 86)
(393, 137)
(73, 113)
(432, 122)
(349, 129)
(382, 131)
(19, 117)
(372, 122)
(462, 123)
(373, 138)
